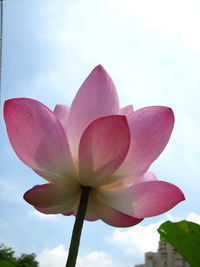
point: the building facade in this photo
(166, 256)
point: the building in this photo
(166, 256)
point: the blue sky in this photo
(151, 49)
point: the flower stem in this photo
(78, 225)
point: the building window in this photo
(178, 259)
(164, 254)
(163, 245)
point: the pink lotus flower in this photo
(96, 144)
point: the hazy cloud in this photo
(58, 255)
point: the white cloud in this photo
(52, 257)
(173, 18)
(193, 217)
(97, 259)
(58, 255)
(140, 239)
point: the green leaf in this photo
(185, 237)
(6, 264)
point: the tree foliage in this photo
(8, 259)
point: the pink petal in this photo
(38, 138)
(66, 211)
(69, 213)
(91, 218)
(57, 209)
(150, 130)
(144, 199)
(103, 147)
(127, 181)
(62, 112)
(111, 216)
(126, 110)
(88, 217)
(50, 195)
(148, 176)
(96, 98)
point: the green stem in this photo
(78, 225)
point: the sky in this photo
(151, 49)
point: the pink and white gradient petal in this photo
(96, 98)
(128, 181)
(150, 130)
(103, 147)
(89, 216)
(143, 200)
(48, 195)
(111, 216)
(38, 138)
(148, 176)
(126, 110)
(57, 209)
(62, 112)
